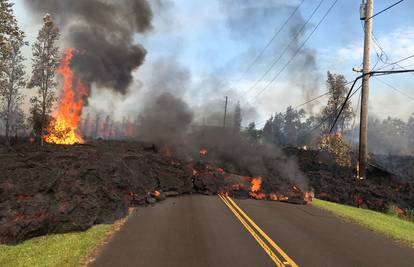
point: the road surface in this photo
(198, 231)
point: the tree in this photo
(9, 30)
(336, 84)
(237, 119)
(13, 80)
(45, 62)
(252, 133)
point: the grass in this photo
(63, 250)
(389, 225)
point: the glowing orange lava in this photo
(63, 129)
(255, 186)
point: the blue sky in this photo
(215, 39)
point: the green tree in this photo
(45, 62)
(12, 74)
(336, 84)
(9, 30)
(14, 81)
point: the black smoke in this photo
(103, 32)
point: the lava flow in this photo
(63, 129)
(255, 187)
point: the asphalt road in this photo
(200, 231)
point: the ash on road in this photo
(202, 231)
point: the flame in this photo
(358, 173)
(276, 197)
(256, 184)
(156, 193)
(308, 197)
(203, 152)
(63, 129)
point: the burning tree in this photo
(63, 130)
(12, 74)
(45, 62)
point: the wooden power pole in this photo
(368, 9)
(225, 113)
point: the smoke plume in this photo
(165, 120)
(248, 19)
(103, 31)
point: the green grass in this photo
(389, 225)
(61, 250)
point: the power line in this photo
(287, 47)
(299, 49)
(372, 73)
(314, 99)
(343, 105)
(395, 89)
(385, 9)
(273, 38)
(397, 62)
(333, 113)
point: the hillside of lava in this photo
(63, 188)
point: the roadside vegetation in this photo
(388, 224)
(63, 250)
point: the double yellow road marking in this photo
(278, 256)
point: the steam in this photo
(104, 33)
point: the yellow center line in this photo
(253, 233)
(268, 239)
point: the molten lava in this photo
(63, 130)
(255, 186)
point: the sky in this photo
(215, 42)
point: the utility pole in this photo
(367, 10)
(225, 114)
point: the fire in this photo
(255, 185)
(278, 197)
(203, 152)
(63, 129)
(308, 197)
(357, 172)
(156, 193)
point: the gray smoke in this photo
(303, 71)
(103, 31)
(165, 120)
(248, 19)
